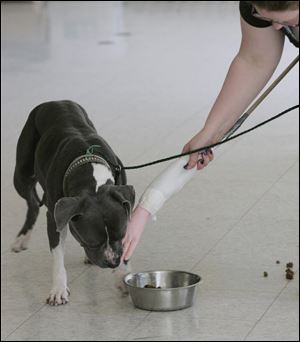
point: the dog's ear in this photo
(124, 194)
(65, 209)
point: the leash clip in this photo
(90, 150)
(117, 169)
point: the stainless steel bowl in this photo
(177, 289)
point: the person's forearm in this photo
(244, 81)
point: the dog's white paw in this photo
(21, 242)
(59, 295)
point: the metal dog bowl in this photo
(164, 291)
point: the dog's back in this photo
(61, 114)
(56, 128)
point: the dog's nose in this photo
(112, 263)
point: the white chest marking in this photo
(101, 174)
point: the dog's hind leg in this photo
(25, 181)
(23, 237)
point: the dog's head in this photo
(98, 222)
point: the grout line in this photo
(149, 337)
(243, 215)
(22, 323)
(268, 308)
(44, 305)
(135, 328)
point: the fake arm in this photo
(165, 185)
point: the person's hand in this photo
(201, 159)
(134, 231)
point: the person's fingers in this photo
(125, 252)
(192, 161)
(125, 245)
(210, 154)
(130, 250)
(200, 164)
(204, 159)
(125, 240)
(122, 258)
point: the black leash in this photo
(240, 121)
(225, 139)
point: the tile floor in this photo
(147, 73)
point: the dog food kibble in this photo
(148, 286)
(289, 274)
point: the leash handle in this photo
(236, 126)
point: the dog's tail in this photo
(24, 177)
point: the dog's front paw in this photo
(59, 295)
(21, 242)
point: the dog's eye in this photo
(75, 218)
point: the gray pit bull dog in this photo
(84, 189)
